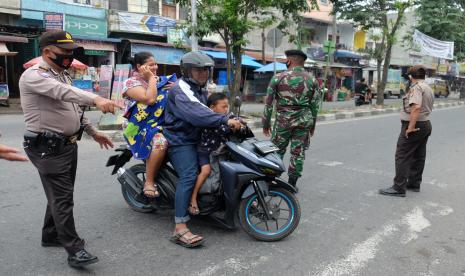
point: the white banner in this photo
(433, 47)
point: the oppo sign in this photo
(89, 27)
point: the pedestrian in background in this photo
(414, 134)
(54, 122)
(297, 101)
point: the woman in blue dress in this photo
(146, 97)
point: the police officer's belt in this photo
(48, 141)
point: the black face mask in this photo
(63, 61)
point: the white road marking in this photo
(231, 266)
(362, 253)
(416, 223)
(330, 163)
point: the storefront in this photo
(10, 70)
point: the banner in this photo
(86, 27)
(432, 47)
(106, 74)
(143, 23)
(53, 21)
(122, 72)
(4, 93)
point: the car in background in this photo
(439, 86)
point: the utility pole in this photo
(333, 82)
(194, 40)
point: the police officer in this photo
(414, 134)
(54, 122)
(297, 100)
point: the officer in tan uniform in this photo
(54, 122)
(415, 131)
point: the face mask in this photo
(63, 61)
(288, 64)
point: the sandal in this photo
(188, 243)
(151, 192)
(194, 210)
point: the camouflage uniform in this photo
(297, 102)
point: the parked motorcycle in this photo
(244, 183)
(360, 99)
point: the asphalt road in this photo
(346, 227)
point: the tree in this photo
(233, 19)
(444, 20)
(375, 14)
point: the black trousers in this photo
(58, 173)
(411, 155)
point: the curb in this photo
(256, 124)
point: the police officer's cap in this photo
(295, 53)
(57, 38)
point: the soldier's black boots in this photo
(392, 192)
(293, 181)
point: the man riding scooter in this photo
(186, 114)
(362, 93)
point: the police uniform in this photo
(411, 152)
(297, 102)
(53, 120)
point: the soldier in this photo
(297, 101)
(54, 122)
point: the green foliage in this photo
(444, 20)
(233, 19)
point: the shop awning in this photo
(246, 60)
(5, 52)
(163, 55)
(347, 54)
(270, 68)
(15, 39)
(96, 45)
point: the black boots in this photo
(81, 258)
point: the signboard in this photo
(462, 68)
(53, 21)
(393, 80)
(177, 36)
(84, 85)
(122, 72)
(164, 55)
(106, 74)
(442, 69)
(86, 27)
(4, 93)
(143, 23)
(95, 53)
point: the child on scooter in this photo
(211, 139)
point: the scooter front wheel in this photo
(283, 220)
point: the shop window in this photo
(169, 9)
(140, 6)
(338, 38)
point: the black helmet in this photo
(197, 60)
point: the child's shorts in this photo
(203, 158)
(159, 142)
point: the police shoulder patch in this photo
(43, 74)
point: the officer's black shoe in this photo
(391, 192)
(52, 243)
(413, 189)
(81, 258)
(293, 181)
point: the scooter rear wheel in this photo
(284, 220)
(136, 205)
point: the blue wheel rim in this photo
(282, 229)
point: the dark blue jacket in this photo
(186, 113)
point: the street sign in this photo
(329, 46)
(278, 37)
(53, 21)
